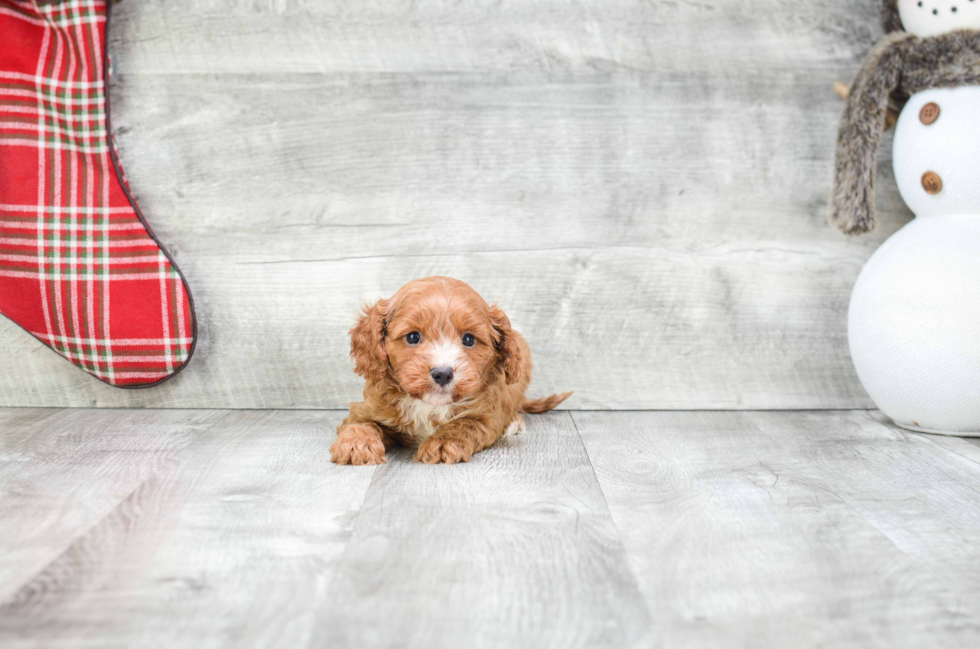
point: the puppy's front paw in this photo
(358, 445)
(438, 449)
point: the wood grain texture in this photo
(793, 529)
(233, 545)
(642, 185)
(514, 549)
(61, 472)
(674, 529)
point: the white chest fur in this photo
(421, 419)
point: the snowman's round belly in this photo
(914, 325)
(938, 133)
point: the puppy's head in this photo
(437, 340)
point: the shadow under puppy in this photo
(445, 371)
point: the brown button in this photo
(929, 113)
(931, 182)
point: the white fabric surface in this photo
(914, 320)
(914, 325)
(931, 17)
(949, 147)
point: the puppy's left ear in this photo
(508, 351)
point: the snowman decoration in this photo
(914, 319)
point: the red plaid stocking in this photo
(79, 267)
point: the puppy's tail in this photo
(537, 406)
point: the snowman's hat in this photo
(890, 19)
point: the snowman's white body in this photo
(914, 320)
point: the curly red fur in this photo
(511, 358)
(367, 342)
(402, 401)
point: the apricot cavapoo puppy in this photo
(444, 372)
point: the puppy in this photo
(444, 371)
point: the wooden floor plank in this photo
(515, 549)
(793, 529)
(232, 546)
(686, 529)
(62, 471)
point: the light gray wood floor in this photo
(181, 528)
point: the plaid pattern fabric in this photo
(79, 268)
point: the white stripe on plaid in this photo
(50, 98)
(106, 306)
(83, 133)
(90, 231)
(181, 327)
(40, 81)
(104, 275)
(57, 22)
(42, 178)
(75, 161)
(68, 6)
(75, 259)
(164, 311)
(73, 210)
(97, 358)
(124, 342)
(58, 146)
(135, 243)
(64, 6)
(69, 227)
(135, 375)
(80, 118)
(59, 303)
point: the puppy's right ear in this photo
(367, 342)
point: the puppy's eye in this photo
(413, 338)
(469, 340)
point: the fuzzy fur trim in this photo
(891, 21)
(899, 66)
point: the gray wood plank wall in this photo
(642, 185)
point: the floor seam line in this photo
(341, 560)
(612, 521)
(109, 512)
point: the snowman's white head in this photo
(932, 17)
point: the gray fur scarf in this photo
(899, 66)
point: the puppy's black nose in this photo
(442, 375)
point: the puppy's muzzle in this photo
(441, 375)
